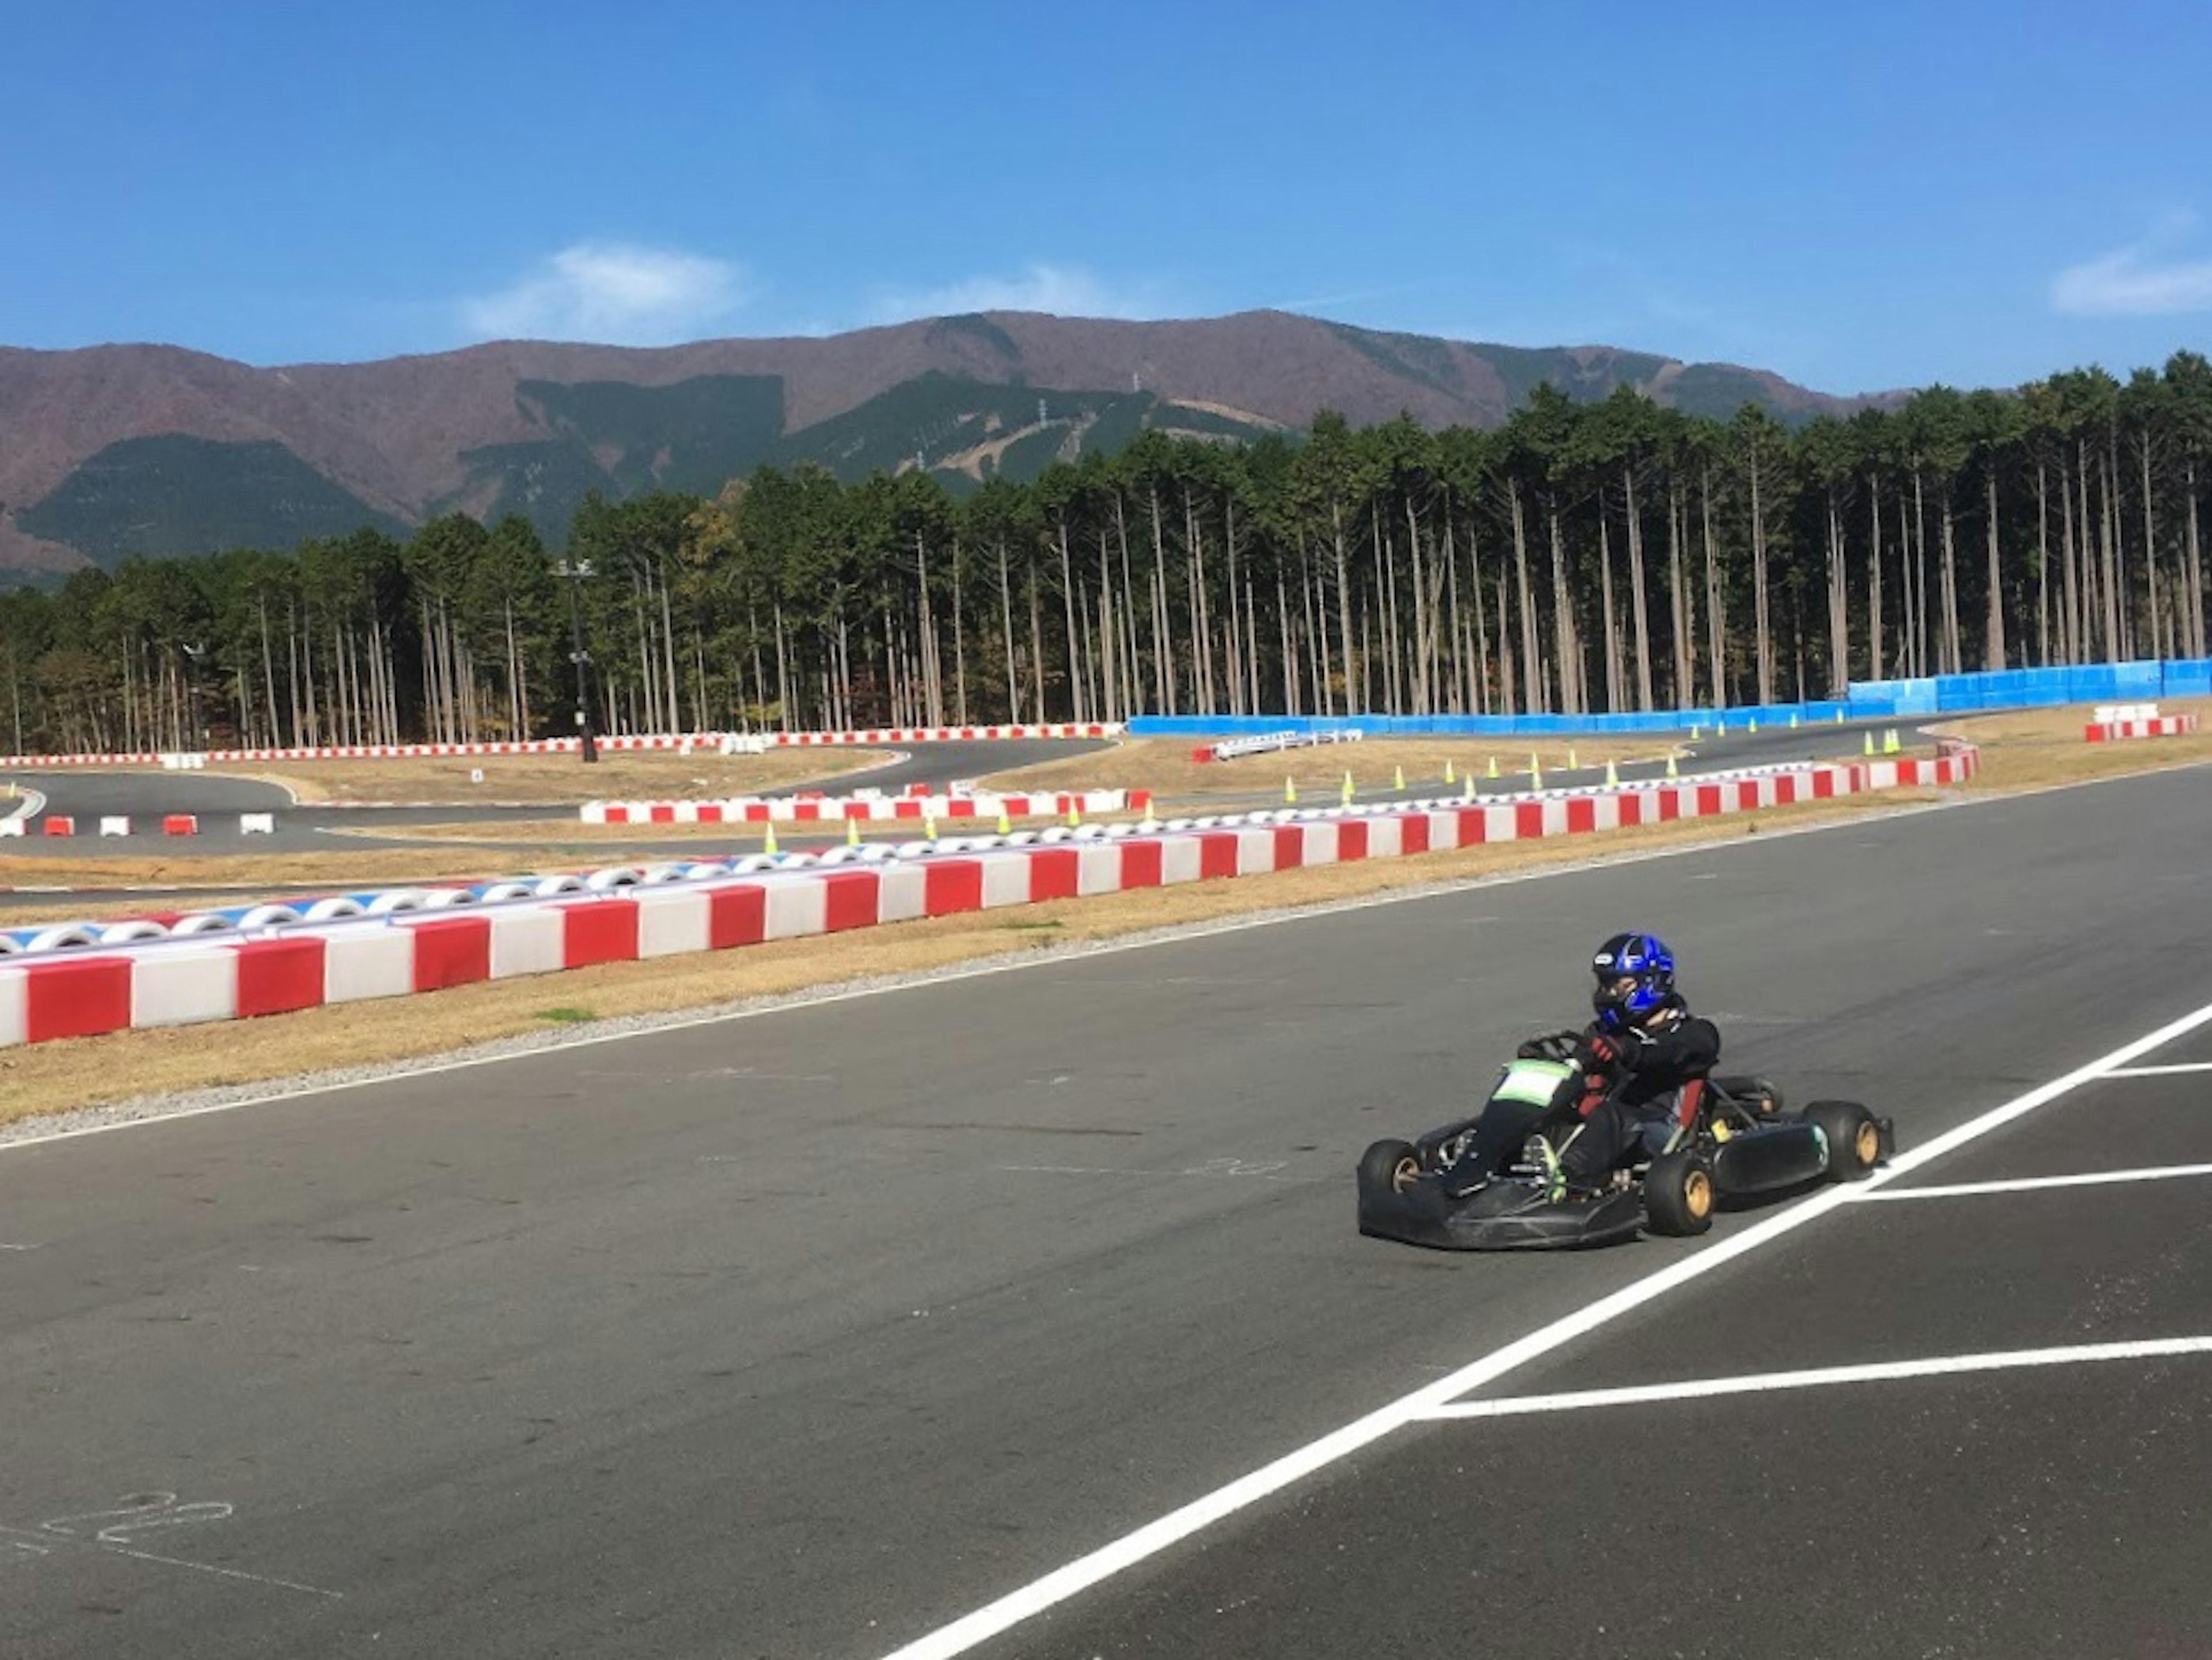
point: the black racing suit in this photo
(1629, 1090)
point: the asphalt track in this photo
(146, 796)
(812, 1333)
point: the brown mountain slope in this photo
(397, 433)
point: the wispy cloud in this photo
(611, 294)
(1060, 290)
(2140, 280)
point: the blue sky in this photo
(1857, 196)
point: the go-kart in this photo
(1466, 1186)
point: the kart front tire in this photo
(1854, 1136)
(1679, 1195)
(1389, 1167)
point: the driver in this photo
(1629, 1069)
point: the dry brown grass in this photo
(2037, 747)
(617, 775)
(1163, 765)
(55, 1077)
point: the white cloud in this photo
(2136, 281)
(1060, 290)
(611, 294)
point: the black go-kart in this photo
(1466, 1186)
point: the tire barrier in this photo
(221, 968)
(837, 809)
(683, 742)
(1266, 743)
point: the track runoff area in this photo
(1022, 1336)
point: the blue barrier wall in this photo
(1866, 700)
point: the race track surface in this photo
(811, 1333)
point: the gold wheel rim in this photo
(1405, 1173)
(1867, 1143)
(1697, 1193)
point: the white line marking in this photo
(1879, 1372)
(2160, 1071)
(1016, 963)
(227, 1573)
(2031, 1183)
(1200, 1513)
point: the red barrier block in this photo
(180, 824)
(453, 950)
(80, 998)
(850, 900)
(1351, 840)
(275, 976)
(1582, 815)
(1708, 800)
(1054, 872)
(661, 812)
(1824, 784)
(1413, 834)
(1631, 810)
(736, 916)
(1216, 855)
(1527, 820)
(61, 825)
(1289, 846)
(949, 885)
(598, 931)
(1140, 864)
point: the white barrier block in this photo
(1321, 844)
(672, 921)
(1443, 831)
(1555, 817)
(527, 939)
(1099, 869)
(1256, 852)
(1181, 860)
(14, 1008)
(11, 827)
(257, 823)
(179, 987)
(1005, 880)
(115, 825)
(1386, 838)
(901, 893)
(1500, 825)
(370, 961)
(795, 909)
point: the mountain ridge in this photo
(529, 425)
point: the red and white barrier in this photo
(683, 742)
(836, 809)
(2158, 726)
(193, 978)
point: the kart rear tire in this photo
(1679, 1195)
(1389, 1167)
(1854, 1136)
(1761, 1095)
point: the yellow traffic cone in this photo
(852, 832)
(1839, 717)
(1467, 787)
(1754, 723)
(1535, 774)
(1347, 788)
(1075, 812)
(1398, 778)
(1574, 761)
(1290, 790)
(928, 827)
(1889, 744)
(1006, 825)
(1673, 771)
(768, 841)
(1612, 776)
(1450, 777)
(1793, 720)
(1869, 744)
(1696, 733)
(1493, 773)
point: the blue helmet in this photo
(1635, 977)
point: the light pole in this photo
(192, 655)
(575, 571)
